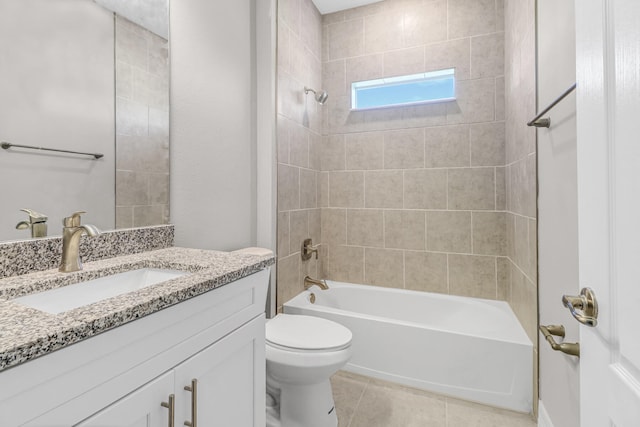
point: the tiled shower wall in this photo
(298, 140)
(414, 197)
(142, 126)
(520, 78)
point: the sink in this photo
(68, 297)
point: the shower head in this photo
(320, 97)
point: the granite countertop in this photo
(27, 333)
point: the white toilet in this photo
(302, 353)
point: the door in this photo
(141, 408)
(608, 151)
(226, 381)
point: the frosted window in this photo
(435, 86)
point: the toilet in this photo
(302, 353)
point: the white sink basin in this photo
(59, 300)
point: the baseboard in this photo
(543, 416)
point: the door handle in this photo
(193, 388)
(583, 307)
(171, 406)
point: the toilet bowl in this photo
(302, 353)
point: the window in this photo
(434, 86)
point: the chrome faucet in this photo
(309, 282)
(37, 223)
(71, 234)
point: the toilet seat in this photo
(306, 334)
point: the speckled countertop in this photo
(27, 333)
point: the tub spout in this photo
(309, 282)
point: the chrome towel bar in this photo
(546, 122)
(7, 145)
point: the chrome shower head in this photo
(320, 97)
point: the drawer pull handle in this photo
(193, 388)
(171, 405)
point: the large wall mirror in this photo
(88, 77)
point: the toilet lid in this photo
(307, 333)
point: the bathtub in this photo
(468, 348)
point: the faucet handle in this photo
(73, 220)
(35, 216)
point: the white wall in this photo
(557, 204)
(56, 91)
(213, 166)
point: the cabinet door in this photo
(230, 377)
(141, 408)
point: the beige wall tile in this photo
(299, 229)
(471, 188)
(404, 149)
(124, 216)
(504, 278)
(426, 22)
(362, 11)
(288, 277)
(383, 32)
(533, 250)
(366, 67)
(331, 18)
(308, 189)
(487, 55)
(332, 155)
(383, 189)
(473, 276)
(365, 150)
(426, 271)
(346, 264)
(449, 231)
(404, 62)
(500, 98)
(283, 234)
(334, 77)
(315, 223)
(283, 139)
(384, 267)
(299, 146)
(148, 215)
(289, 13)
(447, 146)
(489, 233)
(345, 39)
(315, 145)
(521, 243)
(404, 229)
(524, 302)
(346, 189)
(475, 102)
(471, 17)
(450, 54)
(365, 227)
(487, 144)
(425, 189)
(323, 189)
(501, 191)
(311, 25)
(334, 226)
(288, 188)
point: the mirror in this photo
(91, 78)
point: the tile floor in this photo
(367, 402)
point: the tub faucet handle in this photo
(308, 249)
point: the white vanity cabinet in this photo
(123, 376)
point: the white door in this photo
(608, 116)
(142, 408)
(229, 381)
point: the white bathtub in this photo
(469, 348)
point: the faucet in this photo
(71, 233)
(309, 282)
(37, 223)
(307, 249)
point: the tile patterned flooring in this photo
(367, 402)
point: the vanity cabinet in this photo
(121, 377)
(225, 383)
